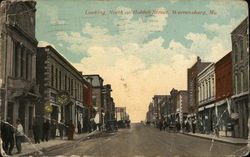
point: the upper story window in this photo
(236, 84)
(65, 82)
(241, 49)
(60, 80)
(235, 47)
(241, 81)
(56, 78)
(52, 75)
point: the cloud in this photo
(224, 7)
(128, 31)
(52, 13)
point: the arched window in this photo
(235, 51)
(241, 49)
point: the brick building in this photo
(192, 85)
(240, 57)
(19, 91)
(57, 77)
(181, 106)
(224, 91)
(87, 98)
(97, 96)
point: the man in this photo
(46, 128)
(71, 130)
(8, 136)
(36, 131)
(79, 127)
(61, 128)
(19, 136)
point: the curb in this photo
(218, 140)
(36, 153)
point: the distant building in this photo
(181, 106)
(19, 93)
(173, 105)
(240, 57)
(97, 95)
(87, 103)
(56, 77)
(192, 85)
(158, 105)
(206, 97)
(224, 91)
(108, 102)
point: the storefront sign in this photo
(48, 108)
(63, 98)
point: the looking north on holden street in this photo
(124, 78)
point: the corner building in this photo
(56, 75)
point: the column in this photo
(18, 70)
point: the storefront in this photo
(240, 118)
(224, 120)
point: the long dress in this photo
(71, 130)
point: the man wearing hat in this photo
(7, 131)
(19, 136)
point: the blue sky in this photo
(139, 54)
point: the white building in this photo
(206, 97)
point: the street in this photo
(141, 140)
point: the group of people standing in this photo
(11, 135)
(49, 130)
(185, 126)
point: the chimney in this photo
(198, 59)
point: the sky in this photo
(141, 47)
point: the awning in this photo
(210, 106)
(201, 108)
(219, 103)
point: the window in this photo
(15, 61)
(27, 65)
(235, 84)
(60, 80)
(235, 53)
(94, 100)
(238, 83)
(22, 63)
(209, 88)
(52, 75)
(213, 87)
(65, 82)
(56, 78)
(71, 87)
(241, 81)
(241, 49)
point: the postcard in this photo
(124, 78)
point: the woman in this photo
(19, 136)
(71, 130)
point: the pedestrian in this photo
(7, 134)
(36, 131)
(46, 128)
(19, 136)
(61, 129)
(53, 129)
(79, 127)
(194, 125)
(71, 130)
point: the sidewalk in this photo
(231, 140)
(28, 148)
